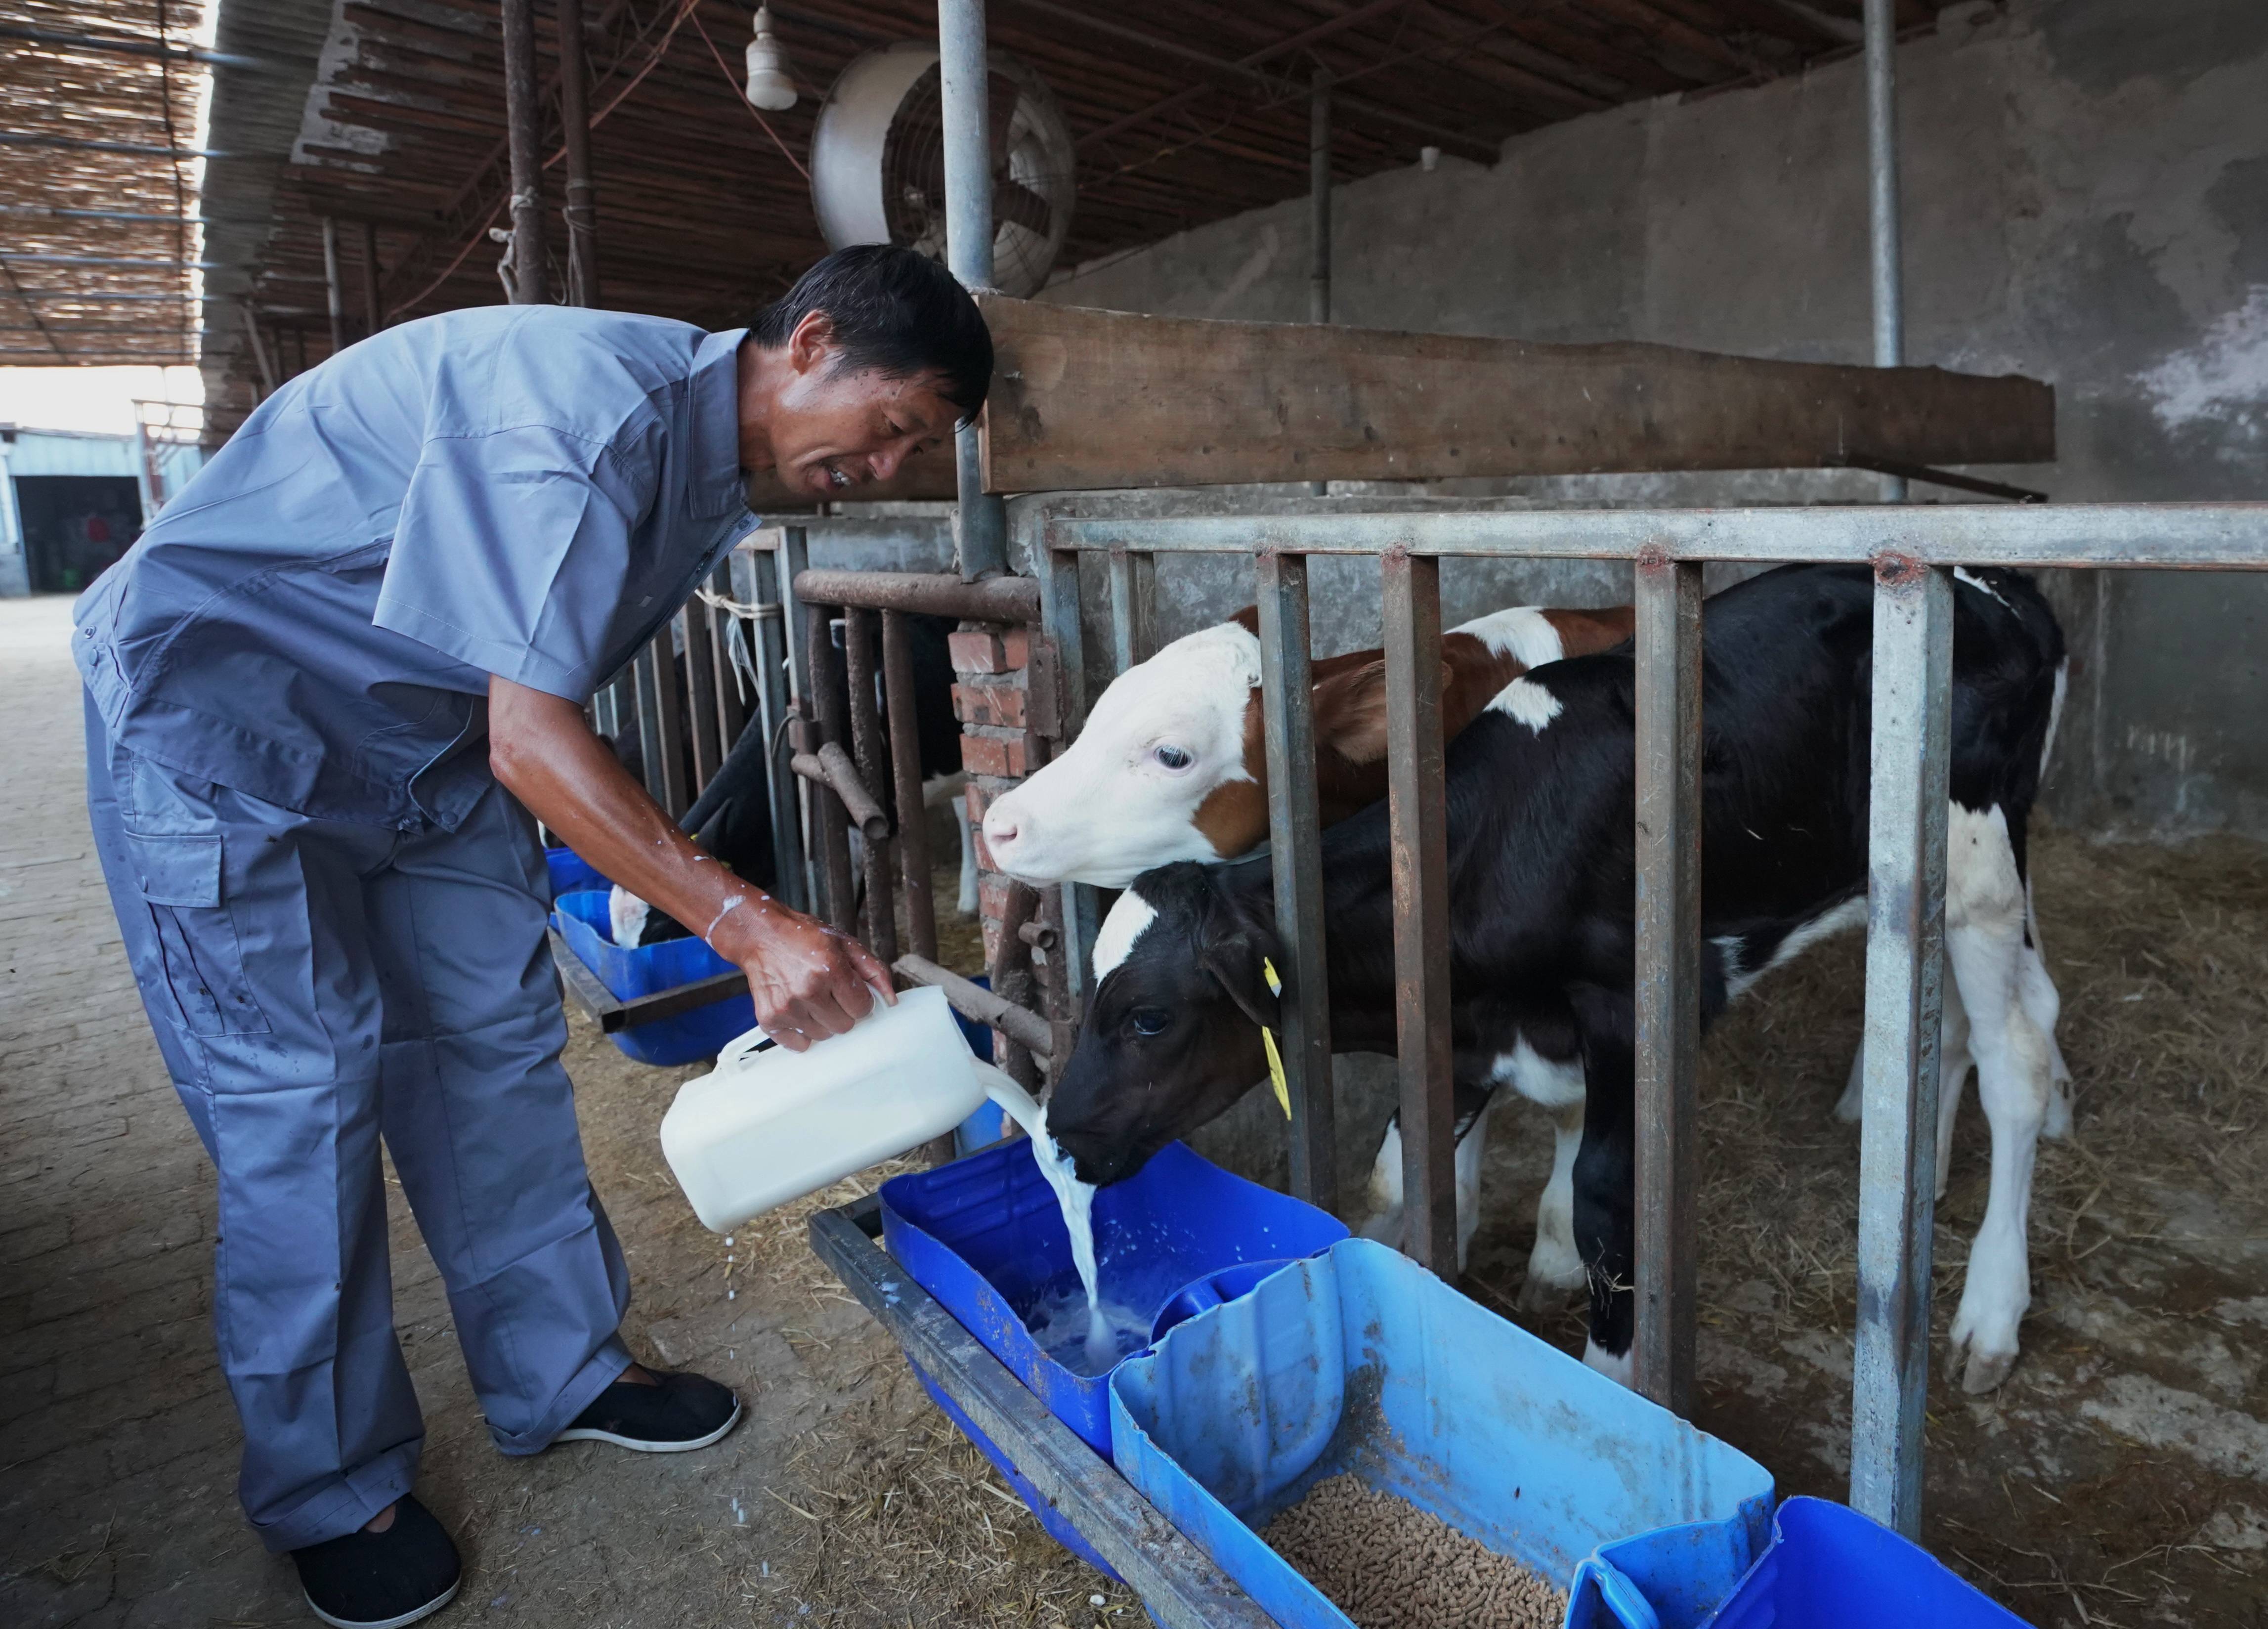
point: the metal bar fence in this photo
(1912, 550)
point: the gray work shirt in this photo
(524, 491)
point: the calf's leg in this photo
(1606, 1181)
(1984, 911)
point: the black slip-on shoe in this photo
(382, 1581)
(680, 1413)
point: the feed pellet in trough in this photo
(1388, 1565)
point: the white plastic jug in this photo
(769, 1125)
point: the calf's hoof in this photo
(1988, 1361)
(2057, 1122)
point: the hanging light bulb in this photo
(769, 83)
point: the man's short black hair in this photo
(894, 311)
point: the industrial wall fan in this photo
(878, 162)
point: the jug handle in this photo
(1617, 1594)
(742, 1046)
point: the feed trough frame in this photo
(1912, 551)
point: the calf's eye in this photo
(1174, 758)
(1148, 1021)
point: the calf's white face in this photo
(1123, 797)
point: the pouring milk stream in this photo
(768, 1125)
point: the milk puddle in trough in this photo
(1109, 1331)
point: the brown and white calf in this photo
(1173, 765)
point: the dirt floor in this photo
(2120, 1477)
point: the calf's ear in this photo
(1234, 962)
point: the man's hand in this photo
(808, 981)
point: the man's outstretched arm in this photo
(809, 982)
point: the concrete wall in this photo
(2086, 197)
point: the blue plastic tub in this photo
(1828, 1568)
(581, 919)
(1361, 1361)
(571, 873)
(985, 1236)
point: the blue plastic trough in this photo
(1361, 1361)
(571, 873)
(1828, 1568)
(985, 1237)
(581, 920)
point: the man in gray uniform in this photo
(325, 690)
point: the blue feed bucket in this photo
(1828, 1568)
(1361, 1361)
(985, 1236)
(581, 919)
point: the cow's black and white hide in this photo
(732, 818)
(1541, 884)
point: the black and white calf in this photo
(1542, 882)
(732, 818)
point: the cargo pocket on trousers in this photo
(180, 878)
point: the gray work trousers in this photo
(315, 985)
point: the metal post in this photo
(372, 318)
(980, 532)
(1882, 198)
(646, 676)
(826, 709)
(259, 351)
(1319, 211)
(1669, 973)
(859, 664)
(1133, 599)
(575, 119)
(1059, 618)
(664, 764)
(523, 112)
(732, 709)
(905, 771)
(1295, 832)
(772, 701)
(1905, 974)
(710, 741)
(335, 296)
(1419, 825)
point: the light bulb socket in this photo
(770, 85)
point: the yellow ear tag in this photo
(1268, 1039)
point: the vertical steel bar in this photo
(1295, 831)
(1669, 973)
(1905, 975)
(905, 769)
(859, 665)
(1319, 211)
(710, 741)
(826, 811)
(1122, 610)
(980, 522)
(1886, 261)
(1059, 618)
(646, 676)
(373, 317)
(770, 655)
(669, 721)
(732, 709)
(791, 559)
(523, 113)
(1418, 824)
(575, 122)
(334, 294)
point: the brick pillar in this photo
(992, 668)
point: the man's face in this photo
(829, 431)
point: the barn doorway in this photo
(75, 526)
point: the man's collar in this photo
(713, 474)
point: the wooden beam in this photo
(1083, 399)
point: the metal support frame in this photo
(1059, 621)
(826, 712)
(710, 742)
(1912, 550)
(980, 529)
(1133, 607)
(1295, 830)
(1667, 988)
(1906, 988)
(905, 771)
(335, 299)
(575, 131)
(1319, 211)
(774, 703)
(861, 662)
(1880, 36)
(523, 104)
(1411, 587)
